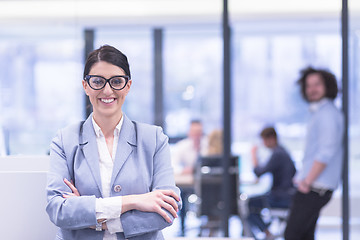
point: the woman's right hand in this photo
(74, 191)
(155, 201)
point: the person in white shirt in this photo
(110, 177)
(185, 154)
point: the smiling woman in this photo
(107, 99)
(110, 177)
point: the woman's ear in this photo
(85, 86)
(128, 86)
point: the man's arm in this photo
(254, 158)
(315, 171)
(329, 142)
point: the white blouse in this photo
(108, 207)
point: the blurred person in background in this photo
(110, 177)
(282, 169)
(184, 155)
(186, 152)
(215, 143)
(322, 163)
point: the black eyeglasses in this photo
(99, 82)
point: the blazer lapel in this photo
(90, 150)
(127, 140)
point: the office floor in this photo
(326, 229)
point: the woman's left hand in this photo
(74, 193)
(157, 201)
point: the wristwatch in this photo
(98, 226)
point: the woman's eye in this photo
(97, 81)
(117, 81)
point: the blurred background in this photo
(43, 45)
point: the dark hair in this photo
(268, 132)
(108, 54)
(329, 79)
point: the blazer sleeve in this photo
(71, 213)
(137, 223)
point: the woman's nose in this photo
(107, 88)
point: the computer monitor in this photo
(209, 185)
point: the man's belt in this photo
(321, 191)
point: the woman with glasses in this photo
(110, 177)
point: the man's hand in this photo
(304, 187)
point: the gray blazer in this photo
(142, 164)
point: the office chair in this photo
(277, 218)
(208, 188)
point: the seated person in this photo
(215, 143)
(185, 154)
(282, 168)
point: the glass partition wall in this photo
(192, 78)
(136, 44)
(40, 85)
(267, 58)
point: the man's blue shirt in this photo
(324, 143)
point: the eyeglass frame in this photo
(107, 80)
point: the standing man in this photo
(322, 163)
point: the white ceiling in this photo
(160, 12)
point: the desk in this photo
(184, 180)
(25, 163)
(186, 184)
